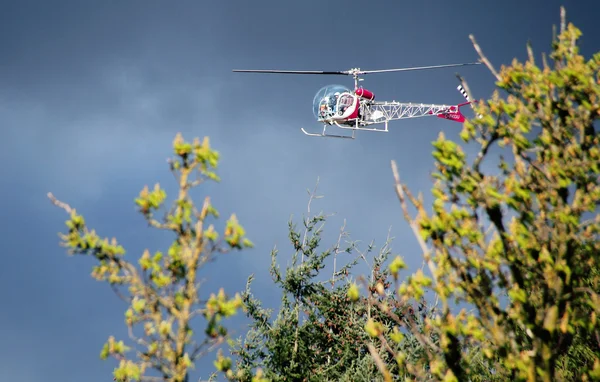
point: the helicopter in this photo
(357, 110)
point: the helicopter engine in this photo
(364, 93)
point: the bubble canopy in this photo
(325, 102)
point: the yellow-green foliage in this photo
(162, 292)
(519, 248)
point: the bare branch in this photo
(134, 338)
(530, 53)
(60, 204)
(119, 294)
(484, 58)
(379, 362)
(412, 223)
(386, 345)
(312, 195)
(201, 350)
(363, 256)
(337, 251)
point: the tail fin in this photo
(453, 113)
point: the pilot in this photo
(333, 102)
(323, 110)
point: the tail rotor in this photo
(465, 94)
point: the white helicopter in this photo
(358, 110)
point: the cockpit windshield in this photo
(329, 99)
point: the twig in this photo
(386, 345)
(379, 362)
(362, 255)
(299, 302)
(412, 223)
(310, 199)
(60, 204)
(337, 250)
(119, 294)
(134, 338)
(545, 61)
(484, 58)
(199, 350)
(530, 54)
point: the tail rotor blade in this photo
(465, 93)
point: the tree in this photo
(519, 246)
(162, 292)
(318, 333)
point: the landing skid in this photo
(357, 127)
(325, 134)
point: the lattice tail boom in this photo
(378, 112)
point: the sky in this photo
(93, 92)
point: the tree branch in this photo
(413, 224)
(484, 58)
(379, 362)
(60, 204)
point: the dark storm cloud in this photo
(92, 93)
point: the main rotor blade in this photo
(417, 68)
(291, 71)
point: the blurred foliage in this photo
(513, 254)
(162, 291)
